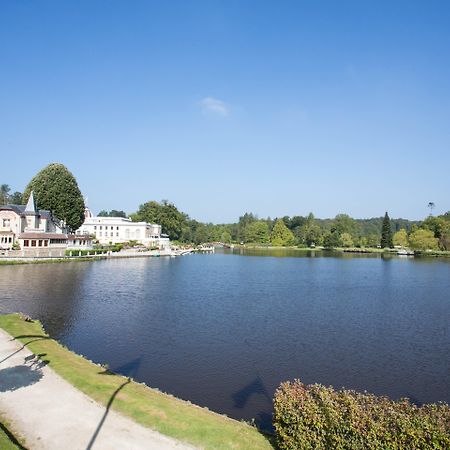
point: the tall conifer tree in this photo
(386, 233)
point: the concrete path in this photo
(51, 414)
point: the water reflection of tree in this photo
(48, 292)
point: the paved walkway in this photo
(51, 414)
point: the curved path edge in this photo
(48, 412)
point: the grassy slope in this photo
(12, 262)
(7, 440)
(162, 412)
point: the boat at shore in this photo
(405, 252)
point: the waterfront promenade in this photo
(48, 412)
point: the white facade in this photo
(115, 230)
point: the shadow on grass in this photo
(130, 369)
(108, 407)
(11, 437)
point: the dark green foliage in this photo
(165, 214)
(112, 213)
(257, 232)
(4, 194)
(86, 252)
(332, 240)
(386, 233)
(16, 198)
(9, 199)
(318, 417)
(56, 189)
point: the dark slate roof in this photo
(20, 210)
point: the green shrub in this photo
(315, 416)
(85, 252)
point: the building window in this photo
(117, 228)
(33, 243)
(95, 227)
(45, 243)
(26, 243)
(40, 242)
(100, 227)
(100, 234)
(112, 228)
(117, 234)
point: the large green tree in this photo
(112, 213)
(4, 194)
(166, 214)
(56, 189)
(346, 240)
(281, 234)
(257, 232)
(343, 223)
(401, 238)
(332, 240)
(386, 233)
(423, 240)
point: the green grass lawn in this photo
(13, 262)
(7, 440)
(149, 407)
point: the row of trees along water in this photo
(56, 189)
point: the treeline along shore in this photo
(57, 190)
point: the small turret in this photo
(31, 209)
(31, 213)
(87, 212)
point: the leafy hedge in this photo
(315, 416)
(85, 252)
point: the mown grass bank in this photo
(7, 440)
(13, 262)
(149, 407)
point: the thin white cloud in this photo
(211, 105)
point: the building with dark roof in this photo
(30, 228)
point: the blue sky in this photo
(224, 107)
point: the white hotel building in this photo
(115, 230)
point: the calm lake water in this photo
(224, 330)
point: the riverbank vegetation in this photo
(149, 407)
(8, 441)
(319, 417)
(12, 262)
(343, 231)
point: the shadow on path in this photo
(38, 338)
(129, 369)
(102, 421)
(13, 378)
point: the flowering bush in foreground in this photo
(319, 417)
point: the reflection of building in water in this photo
(114, 230)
